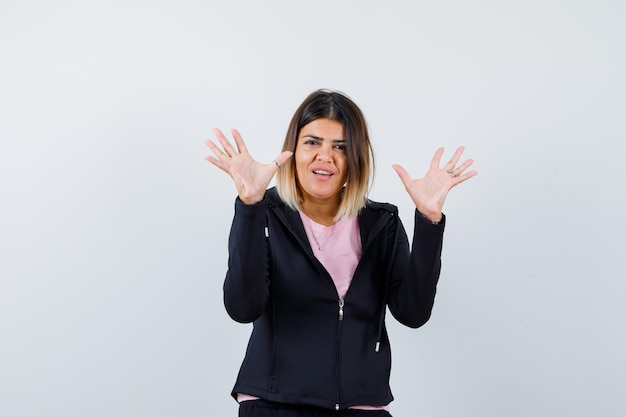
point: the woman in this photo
(314, 264)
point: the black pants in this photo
(261, 408)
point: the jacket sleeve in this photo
(246, 287)
(414, 274)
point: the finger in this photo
(220, 160)
(464, 177)
(228, 148)
(283, 157)
(217, 163)
(404, 176)
(241, 146)
(455, 158)
(213, 160)
(216, 150)
(459, 170)
(434, 164)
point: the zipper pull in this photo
(341, 303)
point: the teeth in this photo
(322, 172)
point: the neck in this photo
(322, 213)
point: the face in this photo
(321, 161)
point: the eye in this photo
(340, 147)
(311, 142)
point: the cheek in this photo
(343, 162)
(344, 169)
(301, 166)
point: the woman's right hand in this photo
(251, 178)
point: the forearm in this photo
(247, 282)
(416, 274)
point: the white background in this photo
(113, 228)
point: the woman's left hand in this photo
(429, 193)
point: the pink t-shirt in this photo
(338, 248)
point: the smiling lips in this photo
(322, 172)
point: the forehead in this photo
(324, 129)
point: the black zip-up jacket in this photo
(308, 346)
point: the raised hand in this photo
(429, 193)
(251, 178)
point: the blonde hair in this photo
(327, 104)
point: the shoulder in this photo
(377, 213)
(376, 206)
(271, 194)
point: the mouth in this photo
(323, 172)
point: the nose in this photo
(325, 153)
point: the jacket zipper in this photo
(341, 304)
(339, 320)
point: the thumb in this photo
(404, 176)
(283, 157)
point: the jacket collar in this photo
(372, 219)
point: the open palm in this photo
(251, 178)
(429, 192)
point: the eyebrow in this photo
(320, 138)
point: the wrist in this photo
(251, 199)
(434, 218)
